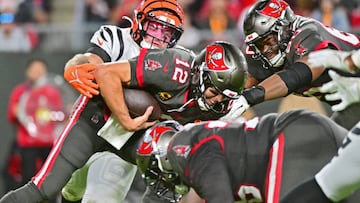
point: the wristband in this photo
(254, 95)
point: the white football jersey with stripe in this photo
(116, 42)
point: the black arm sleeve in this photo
(94, 49)
(209, 174)
(298, 75)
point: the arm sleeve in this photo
(108, 43)
(209, 174)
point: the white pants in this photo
(341, 176)
(104, 178)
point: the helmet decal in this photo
(182, 150)
(147, 145)
(215, 58)
(275, 8)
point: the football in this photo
(138, 101)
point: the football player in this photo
(276, 40)
(155, 24)
(253, 161)
(340, 177)
(187, 87)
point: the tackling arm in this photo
(81, 79)
(277, 85)
(283, 83)
(110, 78)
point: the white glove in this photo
(346, 89)
(238, 107)
(329, 59)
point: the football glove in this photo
(238, 107)
(329, 59)
(346, 89)
(81, 78)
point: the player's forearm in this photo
(274, 88)
(271, 88)
(112, 91)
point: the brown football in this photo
(138, 101)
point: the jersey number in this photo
(346, 37)
(180, 74)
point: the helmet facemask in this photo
(159, 32)
(223, 67)
(167, 14)
(205, 83)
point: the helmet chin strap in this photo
(278, 60)
(202, 104)
(201, 100)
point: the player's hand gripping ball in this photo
(138, 101)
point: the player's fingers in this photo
(90, 90)
(85, 93)
(328, 87)
(148, 112)
(339, 107)
(86, 76)
(149, 124)
(89, 67)
(333, 97)
(91, 84)
(334, 75)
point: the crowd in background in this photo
(27, 24)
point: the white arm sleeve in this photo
(341, 176)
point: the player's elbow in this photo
(76, 60)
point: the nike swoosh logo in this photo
(100, 42)
(165, 67)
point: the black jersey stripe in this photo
(95, 49)
(102, 35)
(108, 31)
(121, 42)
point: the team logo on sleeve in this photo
(182, 150)
(152, 65)
(300, 50)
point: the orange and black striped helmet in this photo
(166, 12)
